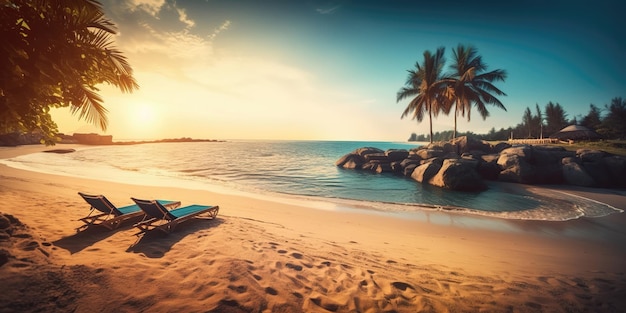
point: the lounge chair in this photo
(110, 216)
(158, 217)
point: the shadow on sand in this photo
(87, 237)
(154, 244)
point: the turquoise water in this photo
(302, 169)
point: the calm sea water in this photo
(301, 169)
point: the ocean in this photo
(302, 170)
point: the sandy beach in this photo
(261, 255)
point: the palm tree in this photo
(57, 52)
(425, 85)
(471, 84)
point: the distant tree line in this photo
(608, 121)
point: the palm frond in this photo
(89, 105)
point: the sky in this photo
(330, 70)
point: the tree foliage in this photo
(614, 124)
(55, 53)
(424, 84)
(556, 118)
(472, 84)
(611, 125)
(467, 84)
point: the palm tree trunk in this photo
(456, 112)
(430, 118)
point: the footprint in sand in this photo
(294, 266)
(238, 289)
(297, 255)
(402, 286)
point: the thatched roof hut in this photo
(576, 132)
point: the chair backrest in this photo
(101, 203)
(154, 209)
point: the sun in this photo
(144, 114)
(143, 121)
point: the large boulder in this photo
(425, 172)
(396, 154)
(549, 155)
(523, 151)
(458, 175)
(500, 146)
(575, 174)
(515, 169)
(587, 155)
(375, 157)
(429, 153)
(408, 170)
(598, 172)
(351, 161)
(616, 167)
(356, 159)
(489, 170)
(547, 174)
(466, 144)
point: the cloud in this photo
(330, 10)
(183, 18)
(153, 7)
(328, 7)
(220, 29)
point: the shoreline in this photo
(264, 253)
(612, 200)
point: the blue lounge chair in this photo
(110, 216)
(158, 217)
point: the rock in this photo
(500, 146)
(616, 167)
(598, 172)
(547, 155)
(490, 158)
(351, 161)
(489, 170)
(523, 151)
(438, 160)
(587, 155)
(547, 174)
(567, 160)
(396, 154)
(515, 169)
(367, 150)
(356, 158)
(426, 154)
(575, 174)
(425, 172)
(408, 170)
(375, 157)
(407, 162)
(466, 144)
(60, 151)
(382, 167)
(458, 175)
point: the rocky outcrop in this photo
(464, 164)
(457, 174)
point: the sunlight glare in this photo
(143, 120)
